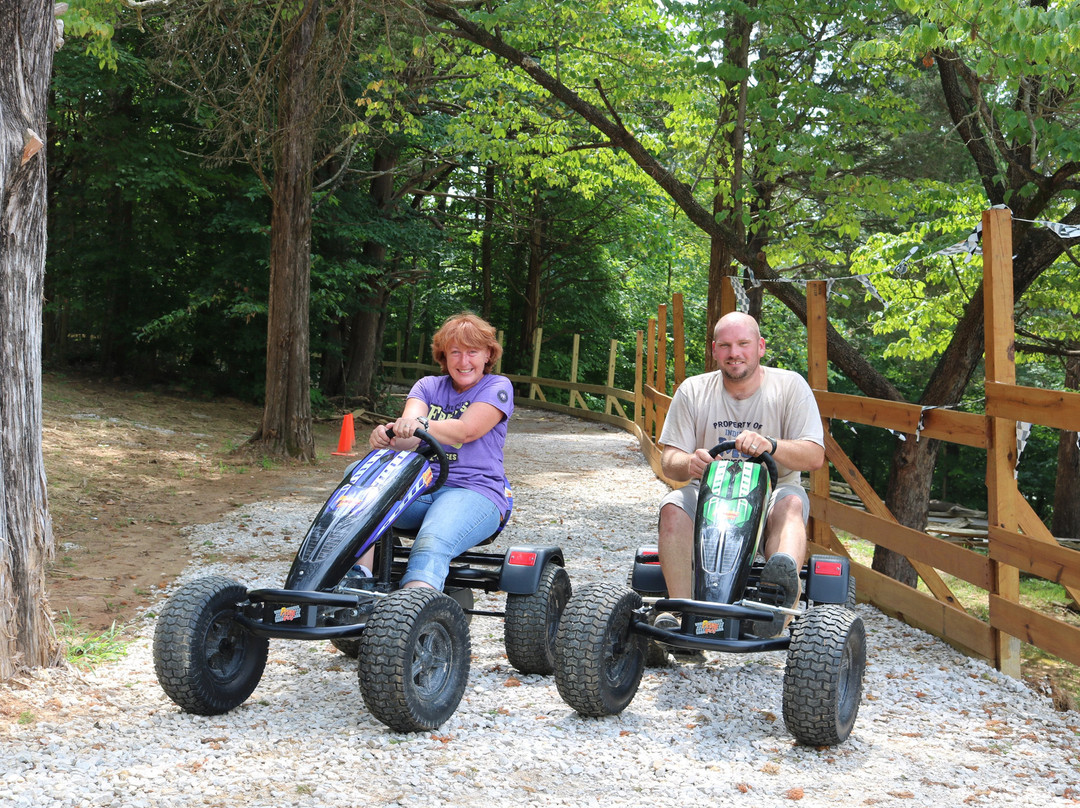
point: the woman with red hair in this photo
(466, 409)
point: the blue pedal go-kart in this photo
(607, 635)
(412, 645)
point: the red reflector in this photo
(519, 558)
(828, 568)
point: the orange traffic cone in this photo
(345, 442)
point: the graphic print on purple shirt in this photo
(477, 465)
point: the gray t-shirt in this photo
(702, 414)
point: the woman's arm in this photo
(479, 419)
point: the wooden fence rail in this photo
(1017, 540)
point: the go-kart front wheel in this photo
(823, 678)
(599, 660)
(204, 660)
(414, 659)
(532, 622)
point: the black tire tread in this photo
(596, 618)
(819, 709)
(348, 646)
(180, 655)
(385, 658)
(532, 622)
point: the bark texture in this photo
(27, 37)
(286, 425)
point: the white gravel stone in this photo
(933, 728)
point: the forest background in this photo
(565, 166)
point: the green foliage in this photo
(88, 649)
(842, 159)
(95, 22)
(156, 263)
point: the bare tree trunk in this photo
(27, 39)
(366, 339)
(286, 424)
(366, 325)
(487, 259)
(533, 282)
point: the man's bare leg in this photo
(676, 551)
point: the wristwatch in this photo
(773, 442)
(423, 421)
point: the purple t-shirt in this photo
(477, 465)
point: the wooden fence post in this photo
(611, 401)
(574, 394)
(639, 402)
(678, 347)
(1001, 453)
(534, 389)
(660, 382)
(650, 375)
(817, 374)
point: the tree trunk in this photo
(365, 341)
(487, 259)
(1066, 520)
(364, 354)
(27, 39)
(533, 282)
(286, 424)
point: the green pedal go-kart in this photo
(412, 645)
(607, 637)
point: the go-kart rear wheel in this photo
(349, 647)
(205, 661)
(414, 659)
(532, 622)
(823, 678)
(598, 658)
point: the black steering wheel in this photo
(765, 458)
(430, 447)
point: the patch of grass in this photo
(88, 649)
(1054, 677)
(26, 717)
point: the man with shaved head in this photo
(761, 409)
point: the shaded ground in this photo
(129, 469)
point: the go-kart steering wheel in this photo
(433, 448)
(765, 458)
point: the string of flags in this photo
(1023, 430)
(970, 246)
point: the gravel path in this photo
(934, 727)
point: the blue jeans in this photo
(451, 520)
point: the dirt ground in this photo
(129, 469)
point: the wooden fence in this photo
(1017, 540)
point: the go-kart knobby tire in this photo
(823, 678)
(349, 647)
(205, 661)
(598, 658)
(414, 659)
(532, 622)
